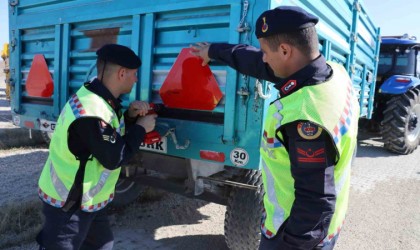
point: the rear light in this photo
(212, 155)
(29, 124)
(403, 79)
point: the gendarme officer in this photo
(310, 130)
(90, 143)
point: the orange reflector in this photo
(29, 124)
(189, 85)
(39, 82)
(212, 155)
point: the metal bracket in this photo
(171, 132)
(259, 91)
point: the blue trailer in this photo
(212, 155)
(397, 96)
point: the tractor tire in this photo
(243, 213)
(401, 124)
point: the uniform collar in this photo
(97, 87)
(314, 73)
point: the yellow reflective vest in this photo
(60, 169)
(333, 106)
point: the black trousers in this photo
(75, 230)
(273, 244)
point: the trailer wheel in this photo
(243, 213)
(46, 136)
(401, 130)
(127, 190)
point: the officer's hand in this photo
(138, 108)
(201, 50)
(148, 122)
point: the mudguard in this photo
(399, 84)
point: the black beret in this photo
(120, 55)
(283, 19)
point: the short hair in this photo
(306, 40)
(109, 67)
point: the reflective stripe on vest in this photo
(76, 106)
(99, 182)
(278, 215)
(59, 186)
(63, 192)
(96, 189)
(331, 105)
(346, 117)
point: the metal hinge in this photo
(13, 4)
(243, 26)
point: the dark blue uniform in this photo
(75, 229)
(306, 223)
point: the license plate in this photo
(159, 147)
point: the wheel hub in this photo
(413, 123)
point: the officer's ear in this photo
(121, 73)
(285, 49)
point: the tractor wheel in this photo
(401, 130)
(243, 213)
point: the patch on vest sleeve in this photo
(108, 133)
(308, 130)
(310, 154)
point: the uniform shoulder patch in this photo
(308, 130)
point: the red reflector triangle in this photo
(189, 85)
(39, 82)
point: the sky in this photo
(394, 17)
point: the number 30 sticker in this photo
(239, 157)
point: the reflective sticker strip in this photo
(277, 115)
(96, 189)
(49, 200)
(345, 120)
(76, 106)
(59, 186)
(99, 206)
(278, 215)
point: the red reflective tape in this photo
(212, 155)
(311, 160)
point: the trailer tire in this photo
(127, 189)
(243, 213)
(401, 124)
(126, 192)
(46, 136)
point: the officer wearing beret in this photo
(309, 133)
(92, 139)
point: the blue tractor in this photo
(397, 98)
